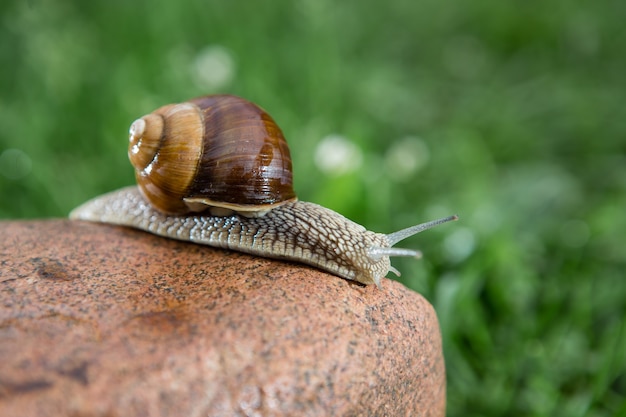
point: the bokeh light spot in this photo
(213, 67)
(405, 157)
(336, 155)
(459, 244)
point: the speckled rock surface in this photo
(100, 320)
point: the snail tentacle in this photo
(396, 237)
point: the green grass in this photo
(511, 114)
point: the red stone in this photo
(99, 320)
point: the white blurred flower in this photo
(336, 155)
(213, 67)
(405, 157)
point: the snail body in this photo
(188, 156)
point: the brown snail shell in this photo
(217, 152)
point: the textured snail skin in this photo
(297, 231)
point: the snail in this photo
(216, 170)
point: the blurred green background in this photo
(511, 114)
